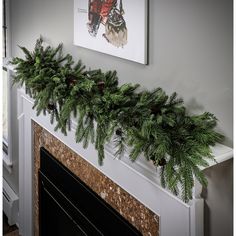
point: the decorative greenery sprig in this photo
(150, 122)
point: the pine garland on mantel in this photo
(149, 122)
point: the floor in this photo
(9, 230)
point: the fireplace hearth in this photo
(67, 206)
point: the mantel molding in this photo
(139, 179)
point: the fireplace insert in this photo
(68, 207)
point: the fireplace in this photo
(113, 196)
(67, 206)
(132, 189)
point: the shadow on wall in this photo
(218, 209)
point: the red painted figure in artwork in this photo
(98, 13)
(106, 8)
(107, 12)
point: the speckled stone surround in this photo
(136, 213)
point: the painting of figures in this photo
(114, 27)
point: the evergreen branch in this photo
(150, 122)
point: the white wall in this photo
(12, 177)
(190, 52)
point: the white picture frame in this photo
(118, 30)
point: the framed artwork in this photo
(115, 27)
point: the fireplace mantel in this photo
(140, 179)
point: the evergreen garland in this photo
(150, 122)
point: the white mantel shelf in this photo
(221, 153)
(140, 179)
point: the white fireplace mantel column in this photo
(139, 179)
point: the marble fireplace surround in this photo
(139, 179)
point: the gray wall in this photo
(219, 198)
(190, 52)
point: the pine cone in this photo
(51, 106)
(101, 86)
(162, 162)
(119, 132)
(71, 80)
(155, 110)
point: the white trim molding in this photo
(9, 156)
(139, 179)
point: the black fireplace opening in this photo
(68, 207)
